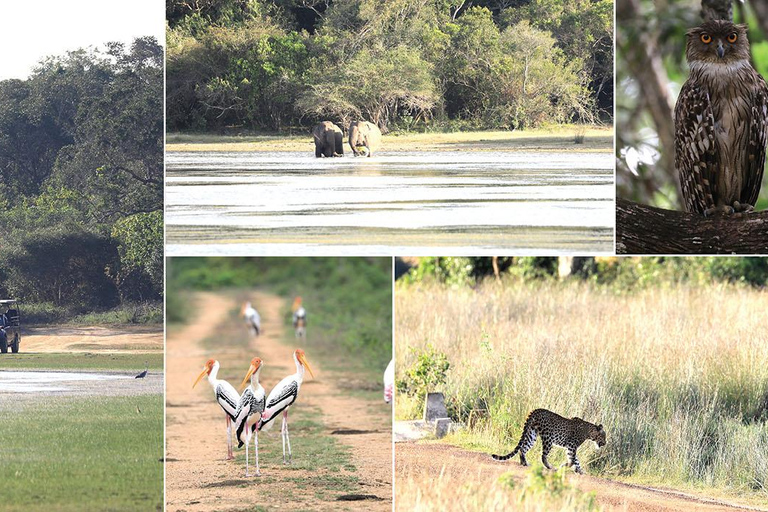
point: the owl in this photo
(720, 122)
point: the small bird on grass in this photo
(144, 373)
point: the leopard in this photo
(556, 430)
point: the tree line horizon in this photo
(405, 65)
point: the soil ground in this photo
(452, 463)
(198, 477)
(130, 338)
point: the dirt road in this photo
(135, 339)
(197, 475)
(454, 464)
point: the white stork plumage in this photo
(389, 381)
(282, 396)
(249, 412)
(299, 318)
(252, 318)
(226, 395)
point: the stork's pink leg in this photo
(283, 432)
(230, 452)
(256, 447)
(287, 438)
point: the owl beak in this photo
(720, 50)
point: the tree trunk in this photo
(642, 229)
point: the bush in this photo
(427, 373)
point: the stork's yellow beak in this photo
(306, 363)
(200, 377)
(251, 370)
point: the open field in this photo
(553, 139)
(341, 453)
(122, 361)
(678, 375)
(96, 453)
(79, 432)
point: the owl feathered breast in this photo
(721, 121)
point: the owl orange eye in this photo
(706, 38)
(732, 37)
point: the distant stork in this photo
(249, 412)
(299, 318)
(389, 381)
(226, 396)
(282, 396)
(144, 373)
(252, 318)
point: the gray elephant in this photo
(329, 140)
(364, 138)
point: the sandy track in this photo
(197, 475)
(130, 338)
(453, 463)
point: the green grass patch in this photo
(81, 361)
(78, 454)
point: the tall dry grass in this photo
(678, 375)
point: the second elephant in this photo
(364, 138)
(329, 140)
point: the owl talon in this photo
(722, 209)
(743, 208)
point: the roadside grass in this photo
(677, 374)
(542, 491)
(82, 361)
(550, 138)
(83, 454)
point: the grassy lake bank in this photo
(560, 138)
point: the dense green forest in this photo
(279, 65)
(81, 180)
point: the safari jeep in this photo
(10, 322)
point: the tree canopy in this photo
(81, 178)
(283, 64)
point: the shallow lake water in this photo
(431, 203)
(44, 382)
(31, 382)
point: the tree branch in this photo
(642, 229)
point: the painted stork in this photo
(299, 318)
(249, 411)
(226, 395)
(145, 372)
(282, 396)
(252, 318)
(389, 381)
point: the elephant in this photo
(364, 138)
(329, 140)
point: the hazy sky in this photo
(33, 29)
